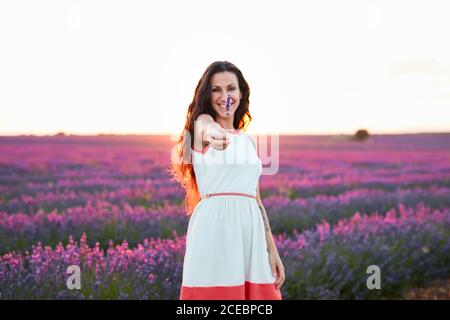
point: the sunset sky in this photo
(314, 67)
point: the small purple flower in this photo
(228, 104)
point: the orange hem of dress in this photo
(246, 291)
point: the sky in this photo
(313, 67)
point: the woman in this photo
(230, 251)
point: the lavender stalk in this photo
(228, 104)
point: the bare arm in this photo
(269, 238)
(276, 264)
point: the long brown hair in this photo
(181, 167)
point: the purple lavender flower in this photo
(228, 104)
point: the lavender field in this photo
(108, 205)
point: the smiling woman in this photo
(230, 251)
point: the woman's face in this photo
(222, 84)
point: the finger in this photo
(214, 141)
(281, 280)
(220, 139)
(219, 145)
(278, 280)
(281, 283)
(221, 142)
(223, 134)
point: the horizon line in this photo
(63, 133)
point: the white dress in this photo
(226, 250)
